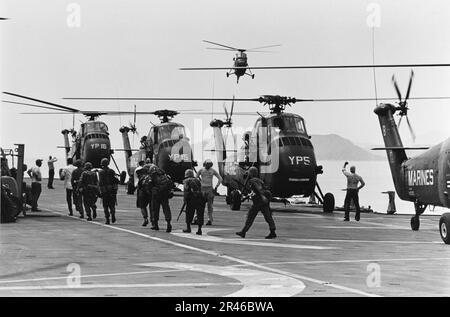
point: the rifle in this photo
(181, 211)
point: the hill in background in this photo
(332, 147)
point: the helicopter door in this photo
(447, 179)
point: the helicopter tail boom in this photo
(393, 145)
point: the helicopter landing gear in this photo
(444, 227)
(415, 220)
(328, 202)
(123, 175)
(130, 186)
(235, 200)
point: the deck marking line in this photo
(213, 253)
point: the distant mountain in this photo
(332, 147)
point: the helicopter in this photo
(423, 179)
(279, 146)
(240, 64)
(166, 145)
(283, 136)
(92, 142)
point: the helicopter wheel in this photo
(228, 75)
(235, 200)
(253, 76)
(444, 227)
(123, 175)
(130, 187)
(415, 223)
(328, 202)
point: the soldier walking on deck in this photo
(206, 178)
(194, 200)
(261, 200)
(66, 174)
(352, 191)
(88, 187)
(142, 196)
(108, 184)
(161, 186)
(77, 196)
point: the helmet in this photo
(88, 165)
(78, 163)
(253, 172)
(188, 173)
(104, 162)
(207, 164)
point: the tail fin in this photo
(394, 148)
(219, 145)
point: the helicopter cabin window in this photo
(289, 124)
(95, 126)
(173, 132)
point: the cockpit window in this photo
(288, 124)
(95, 126)
(173, 132)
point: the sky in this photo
(135, 49)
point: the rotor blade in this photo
(232, 108)
(409, 85)
(258, 51)
(249, 99)
(105, 113)
(267, 46)
(396, 88)
(399, 121)
(41, 101)
(413, 135)
(219, 49)
(37, 106)
(233, 48)
(325, 66)
(226, 110)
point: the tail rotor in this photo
(403, 104)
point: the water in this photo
(378, 179)
(376, 175)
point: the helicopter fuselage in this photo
(280, 148)
(424, 179)
(92, 143)
(168, 148)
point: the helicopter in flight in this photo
(423, 179)
(240, 64)
(166, 145)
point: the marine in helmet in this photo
(88, 188)
(161, 192)
(76, 177)
(206, 175)
(108, 185)
(261, 199)
(194, 200)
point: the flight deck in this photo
(49, 253)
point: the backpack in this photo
(163, 183)
(146, 183)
